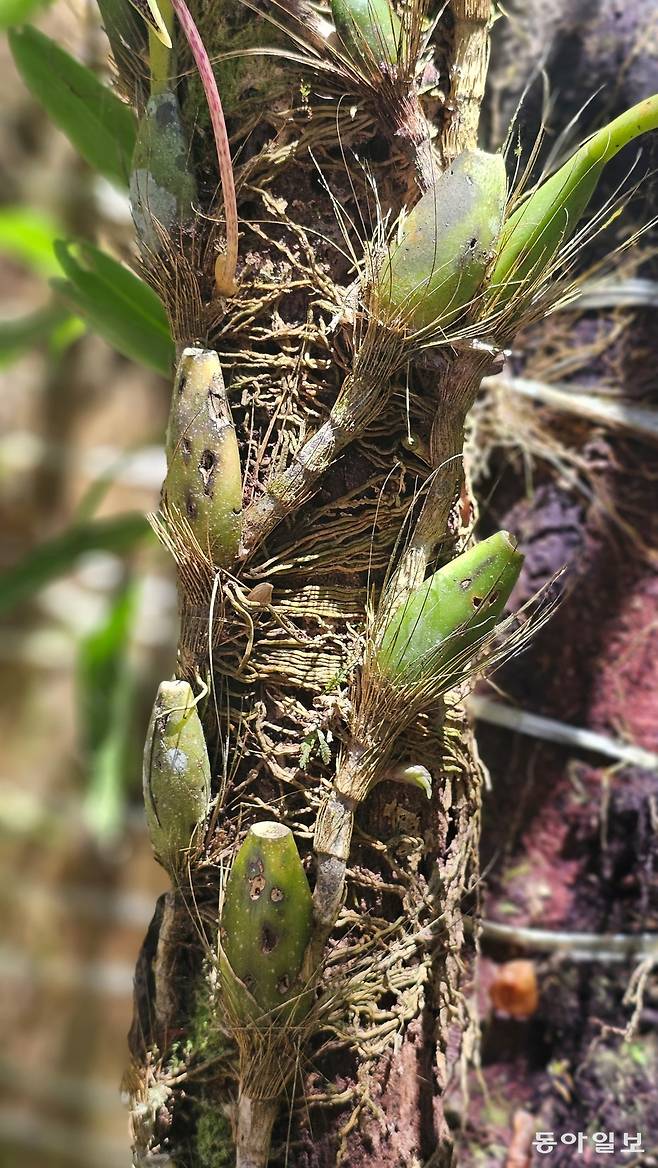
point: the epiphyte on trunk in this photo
(451, 611)
(446, 242)
(204, 477)
(176, 774)
(267, 917)
(368, 28)
(549, 215)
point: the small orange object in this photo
(514, 990)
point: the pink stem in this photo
(226, 264)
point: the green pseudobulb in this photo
(447, 242)
(368, 29)
(266, 918)
(452, 610)
(162, 186)
(550, 214)
(176, 774)
(204, 478)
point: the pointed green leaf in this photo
(117, 305)
(550, 214)
(135, 292)
(127, 35)
(100, 658)
(100, 126)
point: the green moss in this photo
(214, 1141)
(496, 1113)
(636, 1052)
(627, 1074)
(243, 81)
(207, 1038)
(247, 79)
(207, 1044)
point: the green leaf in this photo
(58, 556)
(125, 29)
(99, 664)
(18, 11)
(70, 329)
(29, 236)
(117, 305)
(128, 285)
(100, 126)
(106, 688)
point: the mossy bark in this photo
(279, 634)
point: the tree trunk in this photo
(342, 435)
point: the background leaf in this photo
(18, 11)
(96, 122)
(106, 689)
(117, 305)
(29, 236)
(57, 556)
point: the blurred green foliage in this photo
(100, 126)
(26, 332)
(29, 236)
(111, 299)
(88, 289)
(116, 304)
(55, 557)
(17, 11)
(106, 687)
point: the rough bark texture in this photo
(284, 637)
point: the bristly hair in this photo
(558, 283)
(321, 50)
(385, 706)
(389, 91)
(128, 38)
(362, 300)
(548, 287)
(180, 272)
